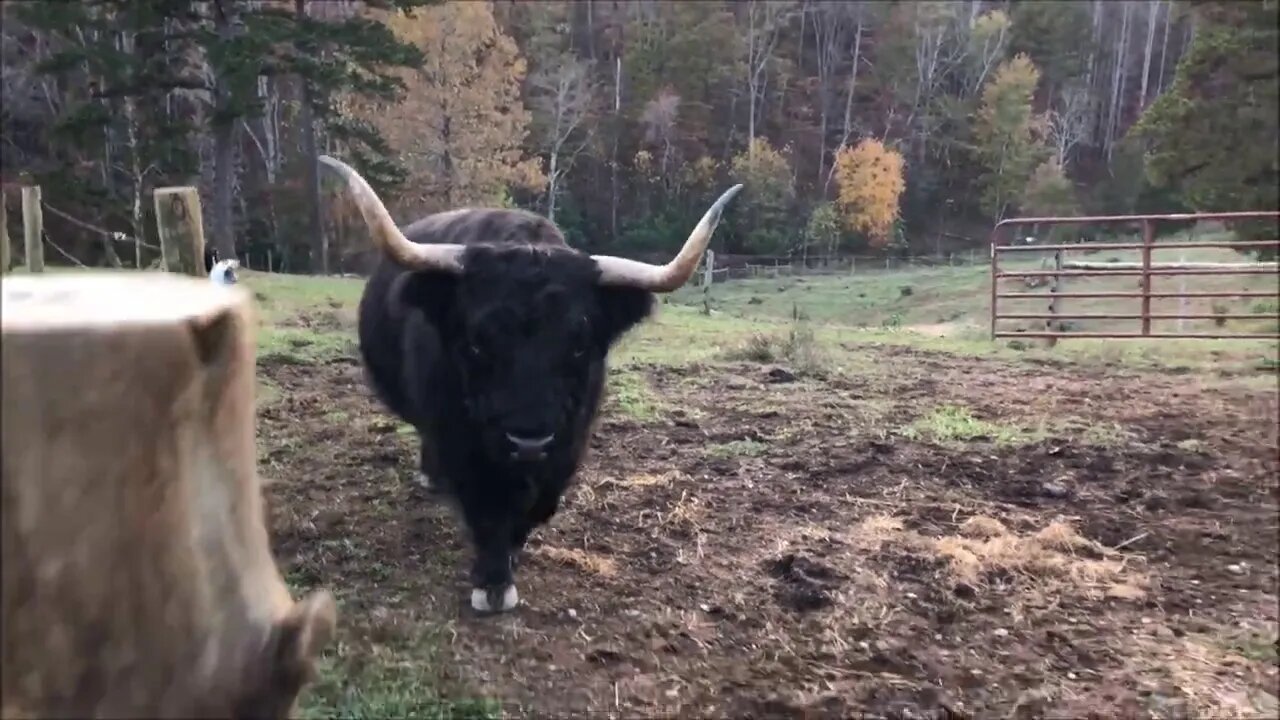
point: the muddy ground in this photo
(758, 545)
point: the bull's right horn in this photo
(666, 278)
(387, 235)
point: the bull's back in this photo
(502, 227)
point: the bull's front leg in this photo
(542, 510)
(427, 476)
(493, 586)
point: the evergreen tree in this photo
(1214, 136)
(146, 63)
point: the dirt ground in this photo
(767, 546)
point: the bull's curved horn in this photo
(385, 232)
(669, 277)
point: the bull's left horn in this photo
(436, 256)
(669, 277)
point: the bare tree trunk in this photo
(1153, 13)
(270, 120)
(828, 29)
(224, 145)
(128, 45)
(617, 119)
(1126, 28)
(759, 50)
(552, 176)
(751, 86)
(131, 120)
(320, 246)
(1164, 46)
(1094, 70)
(224, 159)
(591, 31)
(804, 16)
(847, 127)
(1117, 81)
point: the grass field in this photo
(959, 297)
(872, 509)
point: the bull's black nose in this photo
(529, 448)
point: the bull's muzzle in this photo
(529, 449)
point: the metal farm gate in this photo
(1055, 321)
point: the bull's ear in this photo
(427, 291)
(621, 308)
(289, 659)
(305, 631)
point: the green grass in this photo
(629, 394)
(302, 346)
(952, 425)
(391, 681)
(873, 307)
(847, 314)
(737, 448)
(871, 300)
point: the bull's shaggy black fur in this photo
(515, 345)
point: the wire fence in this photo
(738, 267)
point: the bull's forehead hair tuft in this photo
(529, 266)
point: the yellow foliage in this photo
(461, 125)
(764, 168)
(1008, 135)
(701, 173)
(870, 181)
(1006, 99)
(644, 163)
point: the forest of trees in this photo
(862, 127)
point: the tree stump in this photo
(137, 576)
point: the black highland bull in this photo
(484, 330)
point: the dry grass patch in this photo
(1055, 556)
(644, 480)
(981, 526)
(581, 560)
(687, 512)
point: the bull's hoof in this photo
(423, 482)
(494, 601)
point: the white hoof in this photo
(480, 600)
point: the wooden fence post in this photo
(181, 226)
(1053, 324)
(132, 525)
(1182, 296)
(4, 233)
(33, 228)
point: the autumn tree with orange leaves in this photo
(870, 180)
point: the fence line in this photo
(739, 267)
